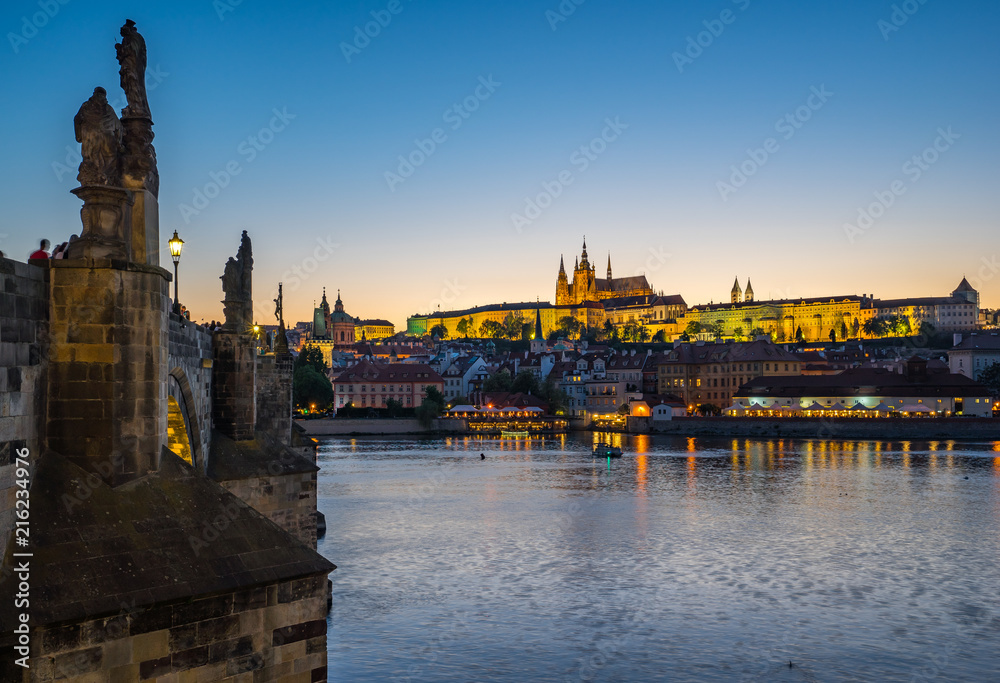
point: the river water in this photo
(686, 560)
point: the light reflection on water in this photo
(707, 559)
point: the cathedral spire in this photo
(737, 293)
(609, 266)
(748, 293)
(562, 268)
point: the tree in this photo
(513, 326)
(660, 337)
(429, 409)
(310, 388)
(463, 326)
(833, 336)
(738, 334)
(843, 330)
(758, 332)
(990, 378)
(623, 409)
(312, 356)
(394, 407)
(570, 326)
(439, 331)
(855, 329)
(557, 399)
(498, 381)
(716, 329)
(526, 383)
(490, 329)
(693, 328)
(799, 337)
(705, 409)
(609, 330)
(875, 327)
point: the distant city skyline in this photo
(415, 154)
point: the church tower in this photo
(538, 339)
(737, 293)
(748, 294)
(609, 267)
(562, 286)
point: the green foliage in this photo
(312, 356)
(570, 326)
(990, 378)
(894, 325)
(833, 336)
(855, 329)
(706, 409)
(660, 337)
(513, 326)
(738, 334)
(394, 407)
(309, 388)
(433, 394)
(843, 330)
(498, 381)
(491, 329)
(430, 408)
(693, 328)
(609, 331)
(799, 337)
(463, 326)
(526, 383)
(439, 331)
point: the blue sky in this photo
(316, 199)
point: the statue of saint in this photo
(245, 257)
(132, 58)
(99, 133)
(232, 280)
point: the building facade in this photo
(370, 385)
(973, 354)
(586, 286)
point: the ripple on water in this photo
(855, 561)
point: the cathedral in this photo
(336, 326)
(586, 286)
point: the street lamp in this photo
(175, 244)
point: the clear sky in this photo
(824, 104)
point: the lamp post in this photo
(175, 244)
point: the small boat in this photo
(607, 451)
(514, 435)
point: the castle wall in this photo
(23, 369)
(288, 500)
(274, 395)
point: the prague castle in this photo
(595, 302)
(586, 286)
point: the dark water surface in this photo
(687, 560)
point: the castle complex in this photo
(595, 302)
(586, 286)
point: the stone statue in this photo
(132, 58)
(238, 289)
(99, 133)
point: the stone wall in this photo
(267, 633)
(23, 366)
(274, 395)
(233, 385)
(288, 500)
(190, 367)
(107, 389)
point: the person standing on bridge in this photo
(42, 252)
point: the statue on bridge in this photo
(237, 286)
(99, 133)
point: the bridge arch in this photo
(184, 433)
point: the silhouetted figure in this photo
(482, 456)
(41, 252)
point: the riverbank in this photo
(826, 428)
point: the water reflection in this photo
(687, 559)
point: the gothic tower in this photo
(609, 267)
(562, 286)
(748, 294)
(737, 293)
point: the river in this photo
(685, 560)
